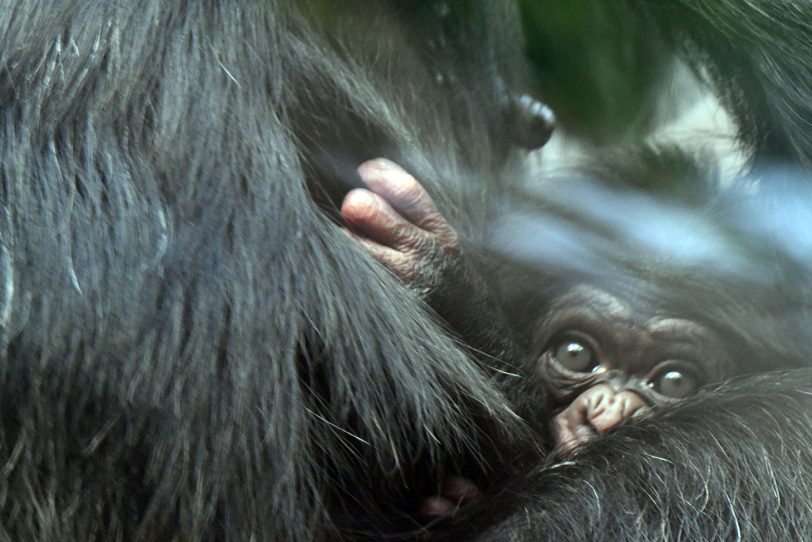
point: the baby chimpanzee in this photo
(592, 351)
(603, 351)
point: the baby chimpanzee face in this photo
(604, 360)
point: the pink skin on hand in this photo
(395, 219)
(456, 493)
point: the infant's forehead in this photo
(597, 299)
(634, 311)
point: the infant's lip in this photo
(570, 434)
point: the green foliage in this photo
(599, 65)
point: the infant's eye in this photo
(574, 356)
(675, 384)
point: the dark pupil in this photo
(574, 356)
(676, 384)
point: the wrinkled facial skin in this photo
(604, 363)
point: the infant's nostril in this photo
(596, 411)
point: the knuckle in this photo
(442, 230)
(408, 240)
(450, 240)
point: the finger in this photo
(371, 216)
(399, 264)
(406, 195)
(437, 507)
(461, 490)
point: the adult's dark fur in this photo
(730, 465)
(190, 348)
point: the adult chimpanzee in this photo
(192, 350)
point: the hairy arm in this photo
(734, 464)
